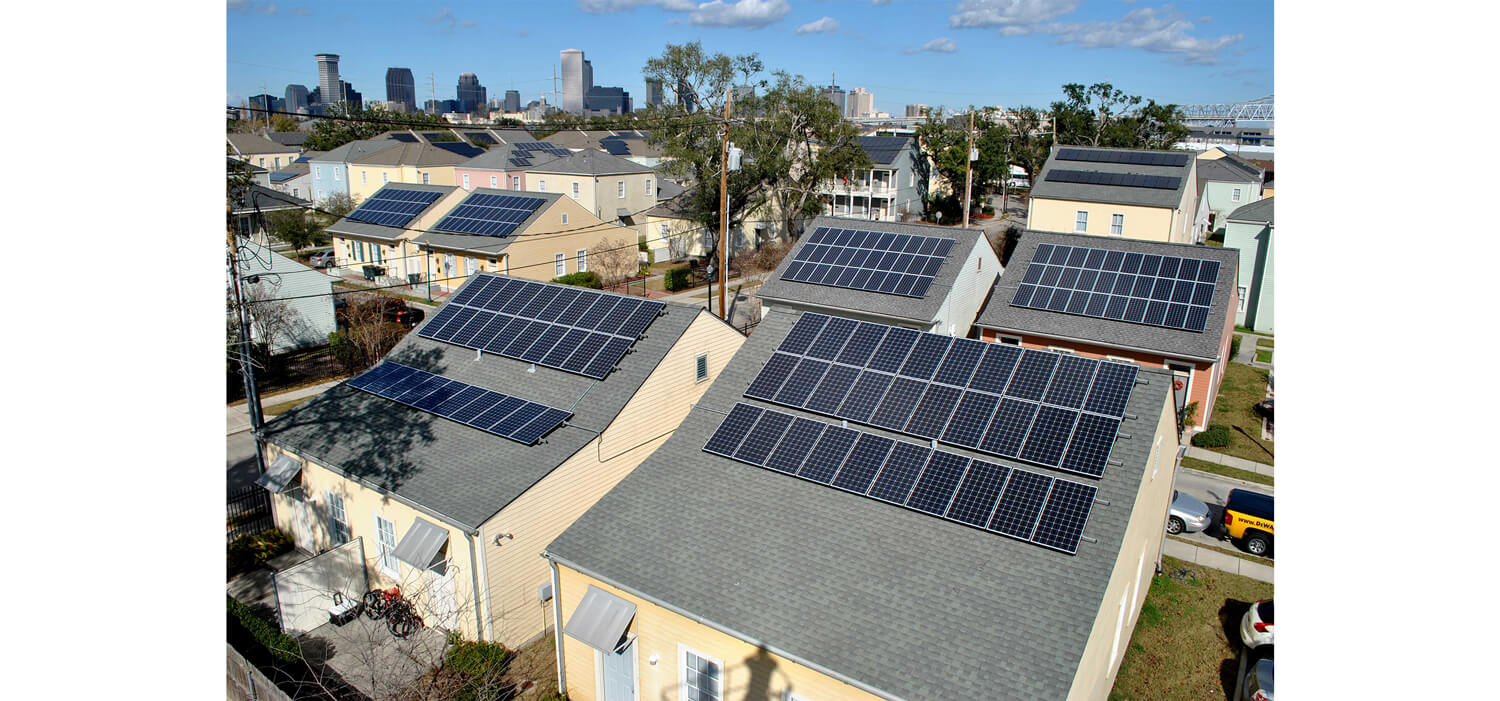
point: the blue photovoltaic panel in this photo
(1157, 290)
(392, 206)
(552, 325)
(832, 389)
(1024, 505)
(900, 264)
(772, 375)
(457, 401)
(800, 384)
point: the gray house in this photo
(892, 190)
(1251, 229)
(304, 318)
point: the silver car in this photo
(1188, 514)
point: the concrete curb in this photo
(1219, 561)
(1206, 455)
(1247, 484)
(239, 415)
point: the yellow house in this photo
(450, 495)
(612, 188)
(261, 152)
(1134, 193)
(532, 235)
(416, 161)
(833, 559)
(379, 232)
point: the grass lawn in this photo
(1262, 356)
(1186, 644)
(1227, 471)
(1265, 343)
(1242, 329)
(283, 407)
(1242, 387)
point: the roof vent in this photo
(531, 369)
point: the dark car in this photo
(1264, 408)
(392, 310)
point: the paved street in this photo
(1213, 490)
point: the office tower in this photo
(653, 91)
(400, 90)
(575, 84)
(835, 94)
(260, 105)
(604, 100)
(916, 110)
(349, 96)
(471, 95)
(861, 104)
(328, 78)
(512, 101)
(296, 99)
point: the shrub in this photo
(482, 667)
(1189, 415)
(588, 278)
(678, 278)
(252, 549)
(245, 624)
(1234, 346)
(988, 209)
(1217, 436)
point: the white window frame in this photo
(1120, 359)
(1155, 457)
(1116, 225)
(471, 265)
(583, 260)
(682, 683)
(1081, 221)
(1011, 340)
(700, 368)
(515, 182)
(664, 231)
(363, 177)
(620, 189)
(1243, 292)
(426, 179)
(318, 172)
(1234, 195)
(337, 518)
(382, 555)
(384, 177)
(336, 177)
(564, 217)
(262, 163)
(541, 185)
(1060, 349)
(560, 264)
(577, 191)
(466, 181)
(277, 161)
(495, 181)
(649, 191)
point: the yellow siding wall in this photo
(361, 505)
(1144, 223)
(1133, 570)
(749, 673)
(268, 160)
(371, 181)
(537, 517)
(531, 254)
(686, 244)
(399, 257)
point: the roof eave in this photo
(1171, 354)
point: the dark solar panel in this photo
(799, 439)
(1020, 504)
(458, 401)
(483, 214)
(540, 323)
(1055, 281)
(1085, 177)
(828, 454)
(864, 462)
(732, 430)
(393, 206)
(1064, 516)
(938, 483)
(900, 264)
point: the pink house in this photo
(504, 166)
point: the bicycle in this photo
(378, 601)
(400, 615)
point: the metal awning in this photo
(600, 620)
(622, 213)
(419, 547)
(280, 474)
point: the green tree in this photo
(337, 205)
(948, 146)
(296, 228)
(1029, 142)
(281, 122)
(1103, 115)
(346, 125)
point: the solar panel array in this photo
(1140, 158)
(1136, 287)
(501, 414)
(393, 206)
(875, 261)
(489, 215)
(569, 328)
(1052, 409)
(521, 153)
(1092, 177)
(615, 145)
(480, 136)
(1017, 503)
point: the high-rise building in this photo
(328, 78)
(471, 95)
(296, 99)
(607, 101)
(512, 101)
(916, 110)
(349, 96)
(400, 90)
(653, 92)
(577, 78)
(861, 104)
(260, 105)
(835, 94)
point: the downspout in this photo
(484, 575)
(562, 670)
(474, 573)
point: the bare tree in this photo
(613, 259)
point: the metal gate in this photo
(249, 511)
(305, 591)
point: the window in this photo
(1235, 196)
(575, 189)
(494, 181)
(1081, 224)
(649, 191)
(426, 179)
(620, 189)
(1011, 340)
(360, 252)
(385, 538)
(338, 522)
(318, 172)
(294, 193)
(336, 174)
(385, 178)
(1155, 453)
(262, 162)
(466, 181)
(541, 185)
(583, 260)
(564, 217)
(471, 265)
(701, 368)
(515, 182)
(700, 678)
(664, 232)
(375, 252)
(1243, 290)
(362, 178)
(277, 161)
(1116, 225)
(1060, 349)
(560, 262)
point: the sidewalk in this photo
(1230, 461)
(1219, 561)
(239, 414)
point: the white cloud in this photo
(449, 21)
(746, 14)
(1158, 30)
(940, 45)
(1014, 16)
(245, 6)
(827, 24)
(599, 7)
(878, 3)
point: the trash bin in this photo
(370, 272)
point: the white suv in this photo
(1257, 627)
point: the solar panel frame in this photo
(869, 260)
(1050, 283)
(453, 400)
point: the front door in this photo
(1182, 376)
(619, 674)
(302, 524)
(441, 601)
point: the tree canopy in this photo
(343, 126)
(1103, 115)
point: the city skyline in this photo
(979, 51)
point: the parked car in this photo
(1187, 514)
(1258, 627)
(322, 259)
(1250, 517)
(392, 309)
(1264, 408)
(1260, 681)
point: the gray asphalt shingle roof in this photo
(498, 158)
(356, 150)
(457, 473)
(590, 162)
(1227, 170)
(1000, 315)
(1113, 194)
(390, 233)
(883, 150)
(264, 199)
(898, 306)
(911, 605)
(248, 144)
(1262, 211)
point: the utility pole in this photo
(432, 91)
(724, 209)
(252, 395)
(969, 168)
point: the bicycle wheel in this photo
(375, 604)
(401, 625)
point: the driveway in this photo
(1213, 491)
(366, 656)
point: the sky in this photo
(984, 52)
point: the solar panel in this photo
(503, 415)
(485, 214)
(1088, 177)
(900, 264)
(1144, 158)
(1139, 288)
(392, 206)
(1025, 505)
(1052, 409)
(537, 323)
